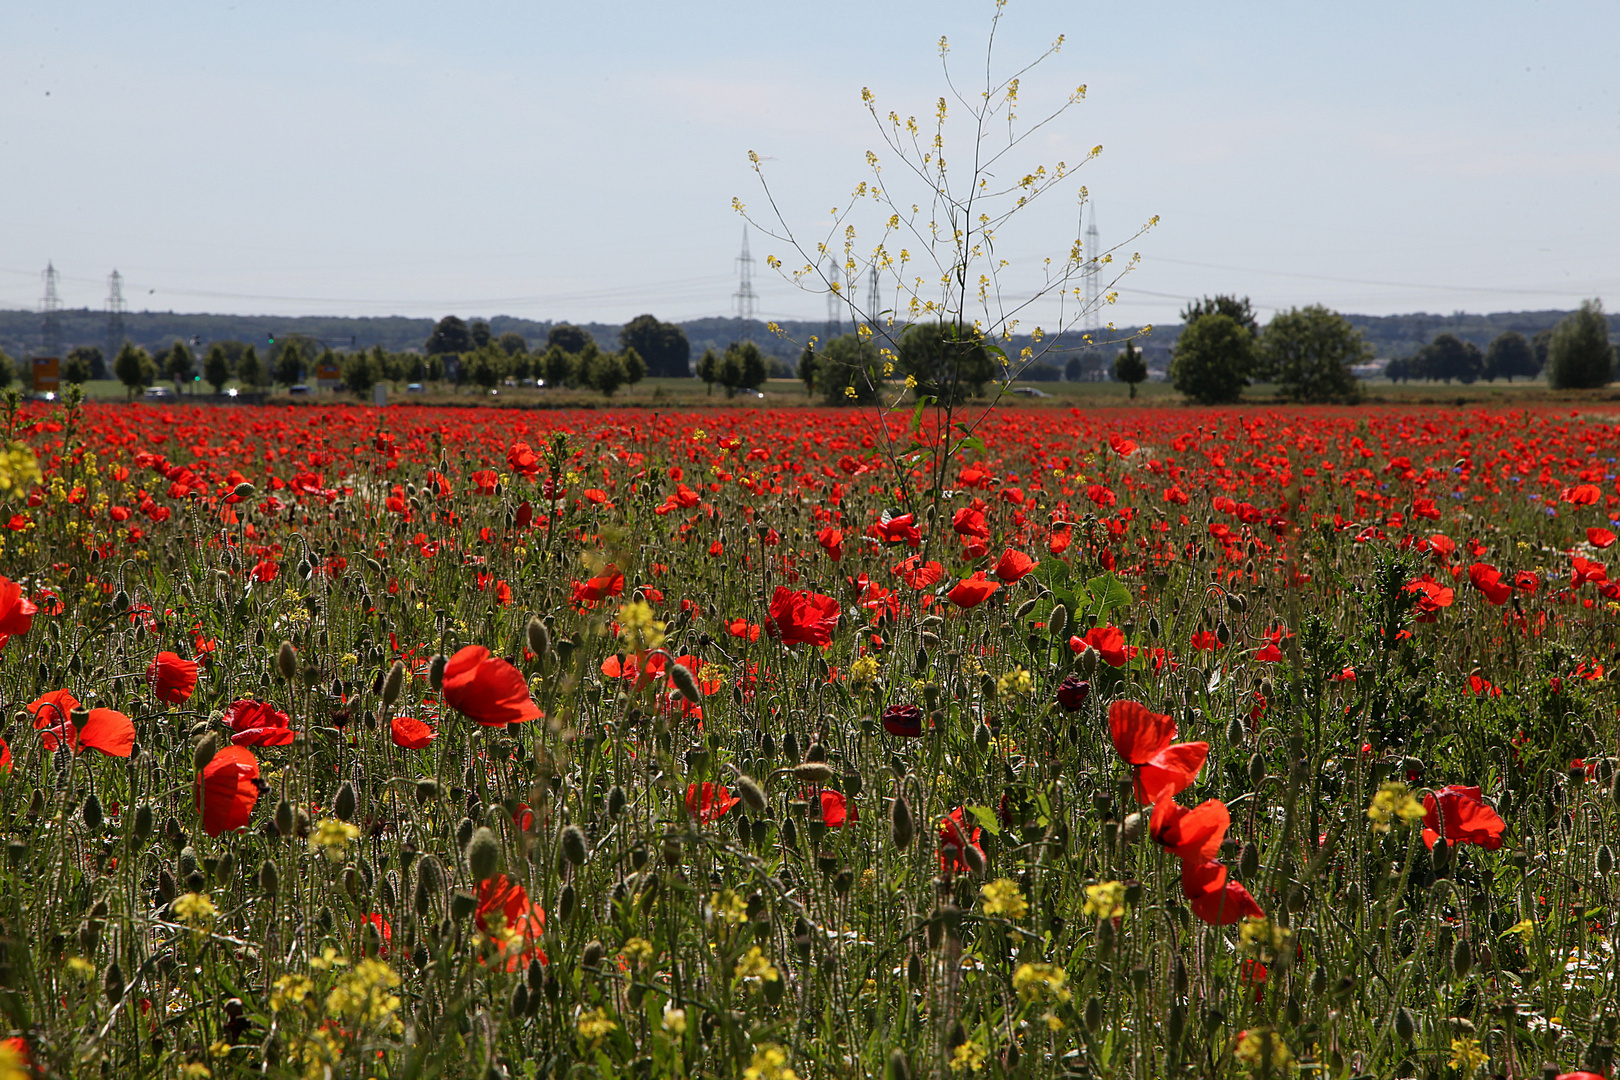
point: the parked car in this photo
(413, 388)
(298, 391)
(1030, 391)
(159, 392)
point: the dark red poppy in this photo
(16, 611)
(1190, 834)
(258, 723)
(709, 802)
(1467, 819)
(409, 733)
(835, 809)
(487, 689)
(972, 591)
(906, 721)
(1073, 691)
(173, 677)
(227, 789)
(802, 617)
(955, 836)
(1013, 565)
(1488, 580)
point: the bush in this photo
(1579, 354)
(1212, 359)
(849, 371)
(949, 367)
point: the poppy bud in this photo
(520, 999)
(752, 795)
(981, 736)
(436, 672)
(812, 772)
(539, 638)
(92, 812)
(464, 833)
(1257, 769)
(1105, 939)
(1135, 825)
(1249, 861)
(1462, 958)
(1024, 609)
(902, 827)
(483, 855)
(344, 804)
(168, 889)
(1605, 860)
(1176, 1024)
(1405, 1026)
(1057, 623)
(572, 842)
(1440, 855)
(897, 1068)
(592, 954)
(144, 823)
(686, 683)
(113, 983)
(429, 883)
(974, 857)
(616, 800)
(1235, 732)
(393, 684)
(1093, 1014)
(1223, 633)
(207, 747)
(1088, 662)
(426, 792)
(287, 661)
(1236, 603)
(462, 905)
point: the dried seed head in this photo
(483, 855)
(393, 684)
(287, 661)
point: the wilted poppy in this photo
(258, 723)
(487, 689)
(227, 789)
(1013, 565)
(972, 591)
(802, 617)
(1190, 834)
(173, 677)
(409, 733)
(1467, 820)
(905, 721)
(1073, 691)
(709, 802)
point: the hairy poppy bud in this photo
(1024, 609)
(429, 884)
(1257, 769)
(1176, 1024)
(1135, 825)
(1093, 1014)
(483, 854)
(616, 800)
(812, 772)
(344, 805)
(974, 857)
(436, 672)
(1605, 860)
(539, 637)
(686, 683)
(1235, 732)
(269, 878)
(572, 842)
(207, 747)
(1405, 1025)
(92, 812)
(752, 795)
(393, 684)
(1249, 861)
(283, 818)
(902, 827)
(566, 902)
(1057, 623)
(898, 1067)
(287, 661)
(1236, 602)
(1462, 958)
(591, 955)
(113, 983)
(426, 791)
(145, 822)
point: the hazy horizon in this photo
(554, 162)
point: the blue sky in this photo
(578, 161)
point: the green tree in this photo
(485, 367)
(1449, 357)
(1239, 311)
(849, 371)
(742, 367)
(513, 344)
(385, 366)
(250, 372)
(1212, 359)
(86, 359)
(359, 375)
(569, 338)
(416, 370)
(708, 369)
(179, 364)
(1308, 352)
(1540, 343)
(603, 371)
(8, 370)
(1398, 370)
(948, 364)
(807, 369)
(478, 330)
(556, 366)
(664, 347)
(289, 367)
(522, 365)
(635, 368)
(76, 368)
(217, 367)
(1579, 354)
(1510, 354)
(1129, 367)
(450, 335)
(134, 368)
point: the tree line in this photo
(1575, 353)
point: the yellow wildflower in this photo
(769, 1063)
(1393, 800)
(195, 910)
(638, 629)
(1106, 899)
(754, 966)
(595, 1026)
(332, 837)
(18, 466)
(1001, 897)
(1256, 1044)
(969, 1057)
(1466, 1056)
(1041, 982)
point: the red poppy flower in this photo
(1013, 565)
(973, 591)
(1190, 834)
(1526, 581)
(599, 588)
(901, 528)
(258, 723)
(1585, 570)
(1600, 538)
(1467, 819)
(1580, 1076)
(52, 708)
(507, 903)
(1431, 598)
(835, 810)
(1583, 494)
(385, 932)
(1072, 692)
(227, 789)
(106, 730)
(1201, 877)
(1109, 641)
(173, 677)
(709, 802)
(1488, 580)
(16, 611)
(1227, 905)
(832, 542)
(1121, 445)
(410, 733)
(955, 836)
(970, 522)
(1144, 739)
(906, 721)
(802, 617)
(5, 757)
(487, 689)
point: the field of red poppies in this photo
(411, 742)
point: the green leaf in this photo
(986, 818)
(1107, 593)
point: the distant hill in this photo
(1390, 335)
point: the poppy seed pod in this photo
(283, 818)
(1249, 861)
(1093, 1014)
(902, 826)
(145, 822)
(393, 684)
(287, 661)
(483, 855)
(113, 983)
(1257, 769)
(572, 843)
(1462, 958)
(686, 683)
(1235, 602)
(344, 805)
(753, 796)
(1135, 825)
(812, 772)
